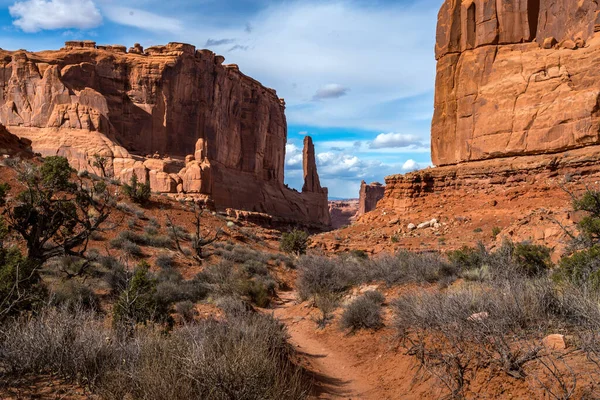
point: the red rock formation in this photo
(343, 212)
(369, 195)
(170, 114)
(504, 88)
(11, 145)
(311, 178)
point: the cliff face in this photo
(369, 195)
(173, 115)
(515, 77)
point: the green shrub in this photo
(295, 242)
(138, 303)
(581, 268)
(468, 258)
(496, 231)
(532, 260)
(136, 191)
(21, 287)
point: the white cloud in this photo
(36, 15)
(330, 91)
(143, 19)
(293, 157)
(410, 165)
(394, 140)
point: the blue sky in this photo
(358, 76)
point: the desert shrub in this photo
(233, 306)
(187, 310)
(71, 343)
(21, 287)
(326, 302)
(321, 275)
(294, 242)
(259, 291)
(252, 267)
(407, 267)
(74, 294)
(164, 261)
(138, 303)
(360, 254)
(126, 207)
(150, 231)
(496, 231)
(157, 241)
(136, 191)
(132, 249)
(375, 296)
(581, 268)
(226, 279)
(132, 223)
(363, 313)
(531, 259)
(468, 257)
(241, 254)
(245, 356)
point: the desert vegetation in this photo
(118, 318)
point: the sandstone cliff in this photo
(515, 77)
(173, 115)
(369, 195)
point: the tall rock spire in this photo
(311, 177)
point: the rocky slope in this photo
(173, 115)
(515, 77)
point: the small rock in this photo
(433, 221)
(549, 43)
(394, 221)
(230, 224)
(568, 44)
(411, 227)
(555, 342)
(424, 225)
(436, 226)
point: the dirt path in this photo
(336, 374)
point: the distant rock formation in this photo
(515, 77)
(369, 195)
(343, 212)
(173, 115)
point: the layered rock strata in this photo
(515, 77)
(173, 115)
(369, 195)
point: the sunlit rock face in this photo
(515, 77)
(173, 115)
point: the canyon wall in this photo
(173, 115)
(515, 77)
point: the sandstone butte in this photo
(517, 95)
(175, 116)
(516, 118)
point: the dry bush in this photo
(405, 267)
(321, 275)
(243, 357)
(363, 313)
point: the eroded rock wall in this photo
(515, 77)
(173, 115)
(369, 195)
